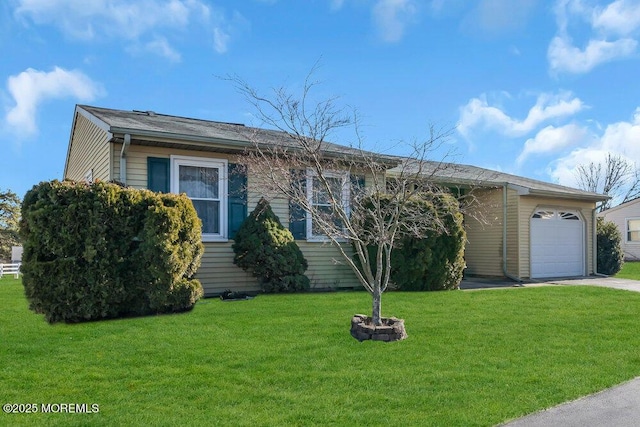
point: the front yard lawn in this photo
(472, 358)
(630, 270)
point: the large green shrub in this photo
(102, 251)
(267, 249)
(610, 255)
(434, 261)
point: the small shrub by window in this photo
(94, 251)
(610, 255)
(267, 249)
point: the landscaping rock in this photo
(392, 329)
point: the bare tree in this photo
(338, 189)
(9, 218)
(615, 177)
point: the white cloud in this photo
(111, 18)
(392, 17)
(220, 40)
(621, 17)
(563, 56)
(553, 139)
(610, 32)
(477, 113)
(31, 88)
(621, 138)
(158, 46)
(139, 22)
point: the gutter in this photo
(123, 158)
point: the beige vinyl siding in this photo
(327, 268)
(483, 252)
(137, 160)
(513, 227)
(89, 150)
(217, 271)
(528, 204)
(619, 216)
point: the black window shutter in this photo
(357, 185)
(158, 174)
(237, 200)
(297, 215)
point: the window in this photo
(323, 202)
(633, 230)
(204, 181)
(569, 216)
(544, 215)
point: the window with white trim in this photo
(633, 230)
(571, 216)
(544, 215)
(322, 201)
(204, 181)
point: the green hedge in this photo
(267, 249)
(102, 251)
(435, 261)
(610, 255)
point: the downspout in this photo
(504, 235)
(123, 158)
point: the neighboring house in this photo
(627, 218)
(16, 254)
(522, 228)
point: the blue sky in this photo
(532, 87)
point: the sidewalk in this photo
(618, 406)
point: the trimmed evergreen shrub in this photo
(94, 251)
(436, 260)
(610, 255)
(267, 249)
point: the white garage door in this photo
(557, 244)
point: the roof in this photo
(238, 137)
(234, 136)
(473, 176)
(626, 205)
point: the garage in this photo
(557, 244)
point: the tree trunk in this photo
(377, 302)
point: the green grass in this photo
(472, 358)
(630, 270)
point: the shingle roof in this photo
(239, 136)
(467, 175)
(624, 205)
(149, 123)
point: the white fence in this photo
(10, 269)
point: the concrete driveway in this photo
(607, 282)
(618, 406)
(469, 283)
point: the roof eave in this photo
(236, 145)
(523, 190)
(567, 195)
(240, 145)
